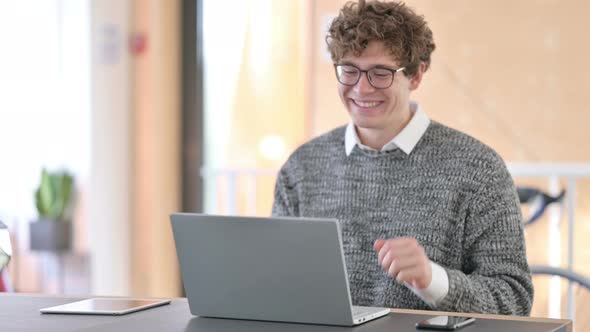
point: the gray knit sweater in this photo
(452, 193)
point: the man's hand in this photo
(405, 260)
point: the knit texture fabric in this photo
(451, 193)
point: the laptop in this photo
(272, 269)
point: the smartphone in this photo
(445, 323)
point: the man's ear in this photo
(417, 78)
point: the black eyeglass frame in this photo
(360, 73)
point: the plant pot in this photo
(50, 235)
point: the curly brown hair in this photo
(404, 33)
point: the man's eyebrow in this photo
(386, 67)
(380, 66)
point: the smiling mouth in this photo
(366, 104)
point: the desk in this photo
(21, 313)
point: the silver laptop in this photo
(274, 269)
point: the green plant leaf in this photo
(46, 194)
(53, 198)
(65, 190)
(39, 203)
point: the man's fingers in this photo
(403, 251)
(398, 265)
(387, 260)
(412, 275)
(383, 251)
(396, 252)
(392, 270)
(403, 259)
(378, 244)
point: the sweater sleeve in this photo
(495, 276)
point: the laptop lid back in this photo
(277, 269)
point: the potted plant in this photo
(54, 202)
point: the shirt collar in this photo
(406, 139)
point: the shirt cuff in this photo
(438, 288)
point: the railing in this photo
(231, 176)
(554, 172)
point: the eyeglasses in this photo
(379, 77)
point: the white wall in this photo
(44, 97)
(109, 196)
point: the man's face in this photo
(377, 109)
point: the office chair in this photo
(5, 254)
(537, 200)
(579, 279)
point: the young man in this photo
(429, 216)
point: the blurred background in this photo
(158, 106)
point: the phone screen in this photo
(445, 323)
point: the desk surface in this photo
(21, 313)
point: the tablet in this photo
(104, 306)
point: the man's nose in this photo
(363, 85)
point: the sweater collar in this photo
(406, 139)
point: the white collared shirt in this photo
(406, 140)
